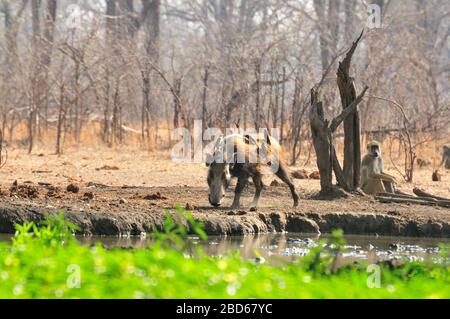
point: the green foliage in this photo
(54, 230)
(46, 262)
(174, 233)
(323, 259)
(444, 250)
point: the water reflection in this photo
(290, 246)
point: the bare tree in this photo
(134, 68)
(322, 131)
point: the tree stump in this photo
(322, 132)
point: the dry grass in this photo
(155, 168)
(137, 167)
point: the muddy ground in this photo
(123, 191)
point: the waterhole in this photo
(291, 246)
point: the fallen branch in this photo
(384, 199)
(422, 193)
(416, 201)
(405, 196)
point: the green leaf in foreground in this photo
(46, 262)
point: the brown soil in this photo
(134, 198)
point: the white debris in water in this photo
(352, 247)
(302, 242)
(414, 258)
(355, 254)
(295, 251)
(125, 234)
(293, 241)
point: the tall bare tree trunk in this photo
(320, 9)
(152, 60)
(9, 63)
(258, 95)
(322, 131)
(352, 130)
(116, 128)
(35, 94)
(42, 47)
(321, 141)
(296, 119)
(176, 102)
(49, 35)
(282, 115)
(204, 95)
(61, 120)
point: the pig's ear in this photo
(209, 160)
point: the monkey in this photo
(445, 156)
(373, 178)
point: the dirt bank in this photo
(103, 210)
(127, 191)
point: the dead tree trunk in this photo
(146, 104)
(322, 143)
(115, 125)
(49, 35)
(42, 44)
(1, 147)
(152, 59)
(177, 102)
(204, 95)
(257, 95)
(107, 107)
(35, 87)
(282, 115)
(299, 109)
(352, 131)
(77, 102)
(61, 120)
(322, 132)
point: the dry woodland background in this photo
(91, 90)
(102, 82)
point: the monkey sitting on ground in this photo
(445, 156)
(373, 179)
